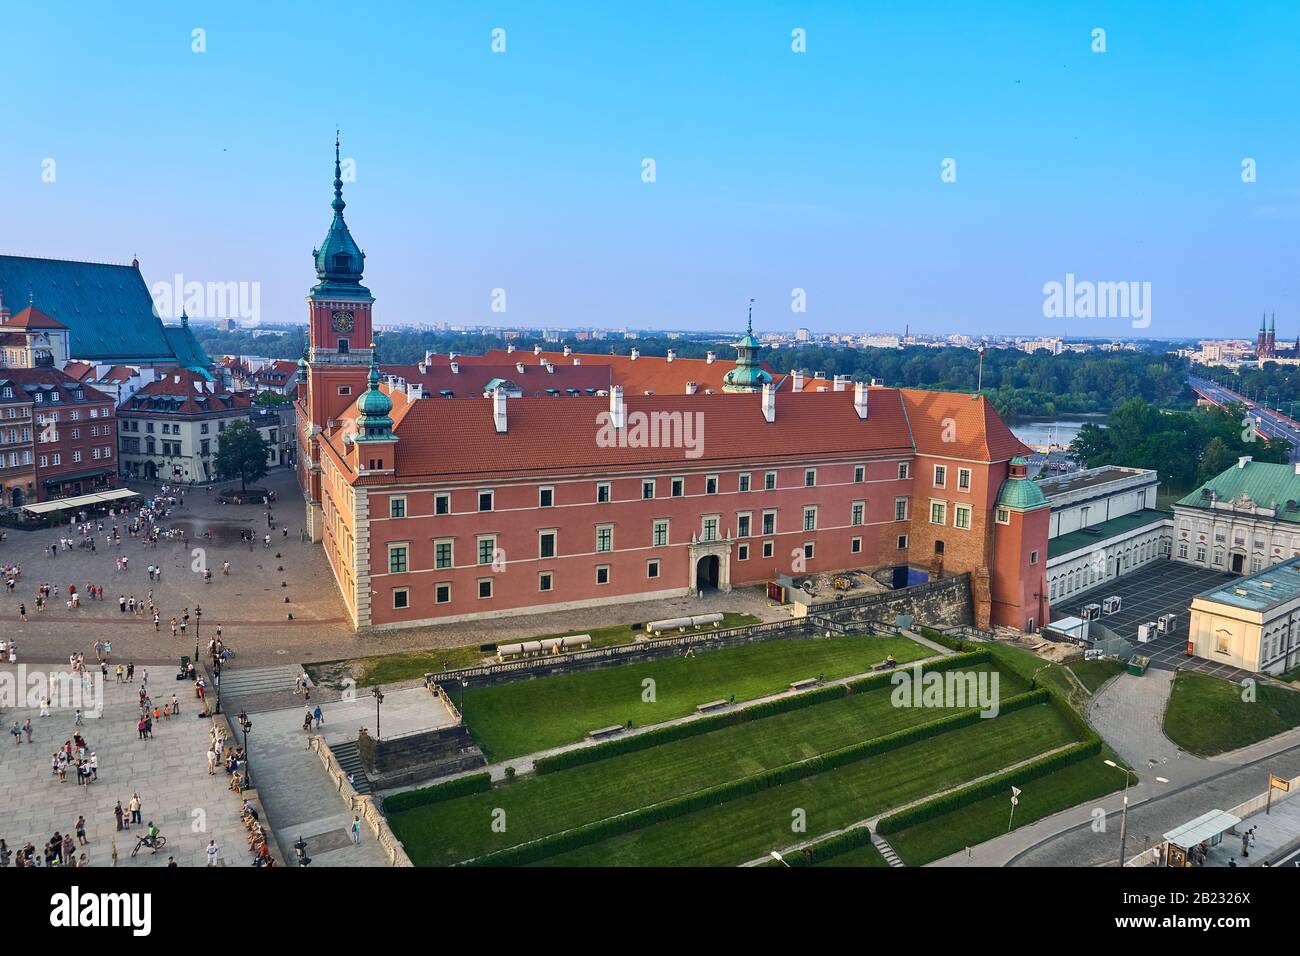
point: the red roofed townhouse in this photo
(653, 479)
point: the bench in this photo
(803, 684)
(711, 706)
(605, 732)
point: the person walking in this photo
(320, 718)
(356, 831)
(134, 806)
(212, 851)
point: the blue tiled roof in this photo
(107, 308)
(186, 348)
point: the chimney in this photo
(860, 399)
(455, 368)
(710, 358)
(423, 368)
(510, 347)
(537, 350)
(1244, 460)
(428, 357)
(841, 383)
(769, 403)
(636, 354)
(617, 410)
(796, 380)
(577, 360)
(672, 354)
(567, 351)
(499, 409)
(690, 388)
(1297, 467)
(451, 356)
(519, 366)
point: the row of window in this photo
(546, 579)
(960, 514)
(649, 486)
(45, 418)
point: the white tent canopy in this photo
(80, 501)
(1205, 827)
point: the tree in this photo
(241, 453)
(269, 397)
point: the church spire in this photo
(338, 203)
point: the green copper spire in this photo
(374, 423)
(338, 203)
(748, 375)
(339, 260)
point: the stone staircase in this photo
(886, 850)
(246, 687)
(350, 760)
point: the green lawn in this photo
(751, 826)
(1088, 779)
(523, 717)
(459, 829)
(407, 665)
(1092, 674)
(1207, 716)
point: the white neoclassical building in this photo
(1103, 525)
(1242, 520)
(1252, 622)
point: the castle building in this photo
(659, 478)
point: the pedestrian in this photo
(81, 831)
(356, 831)
(17, 731)
(134, 807)
(212, 851)
(320, 719)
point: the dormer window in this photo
(342, 262)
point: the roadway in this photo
(1268, 422)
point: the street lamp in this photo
(1123, 820)
(198, 618)
(246, 725)
(379, 699)
(779, 858)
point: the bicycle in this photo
(155, 844)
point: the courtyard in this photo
(1162, 587)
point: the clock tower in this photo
(339, 344)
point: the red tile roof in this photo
(471, 379)
(647, 373)
(79, 370)
(184, 392)
(33, 318)
(52, 380)
(958, 425)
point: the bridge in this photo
(1268, 422)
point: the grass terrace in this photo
(509, 720)
(410, 665)
(749, 827)
(1206, 715)
(535, 806)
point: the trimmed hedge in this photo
(580, 756)
(952, 643)
(823, 850)
(459, 787)
(957, 799)
(598, 830)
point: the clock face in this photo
(342, 321)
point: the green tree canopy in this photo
(241, 453)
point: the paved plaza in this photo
(249, 603)
(169, 772)
(1162, 587)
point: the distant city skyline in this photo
(775, 171)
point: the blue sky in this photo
(775, 170)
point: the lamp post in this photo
(198, 619)
(379, 699)
(246, 725)
(1123, 820)
(776, 855)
